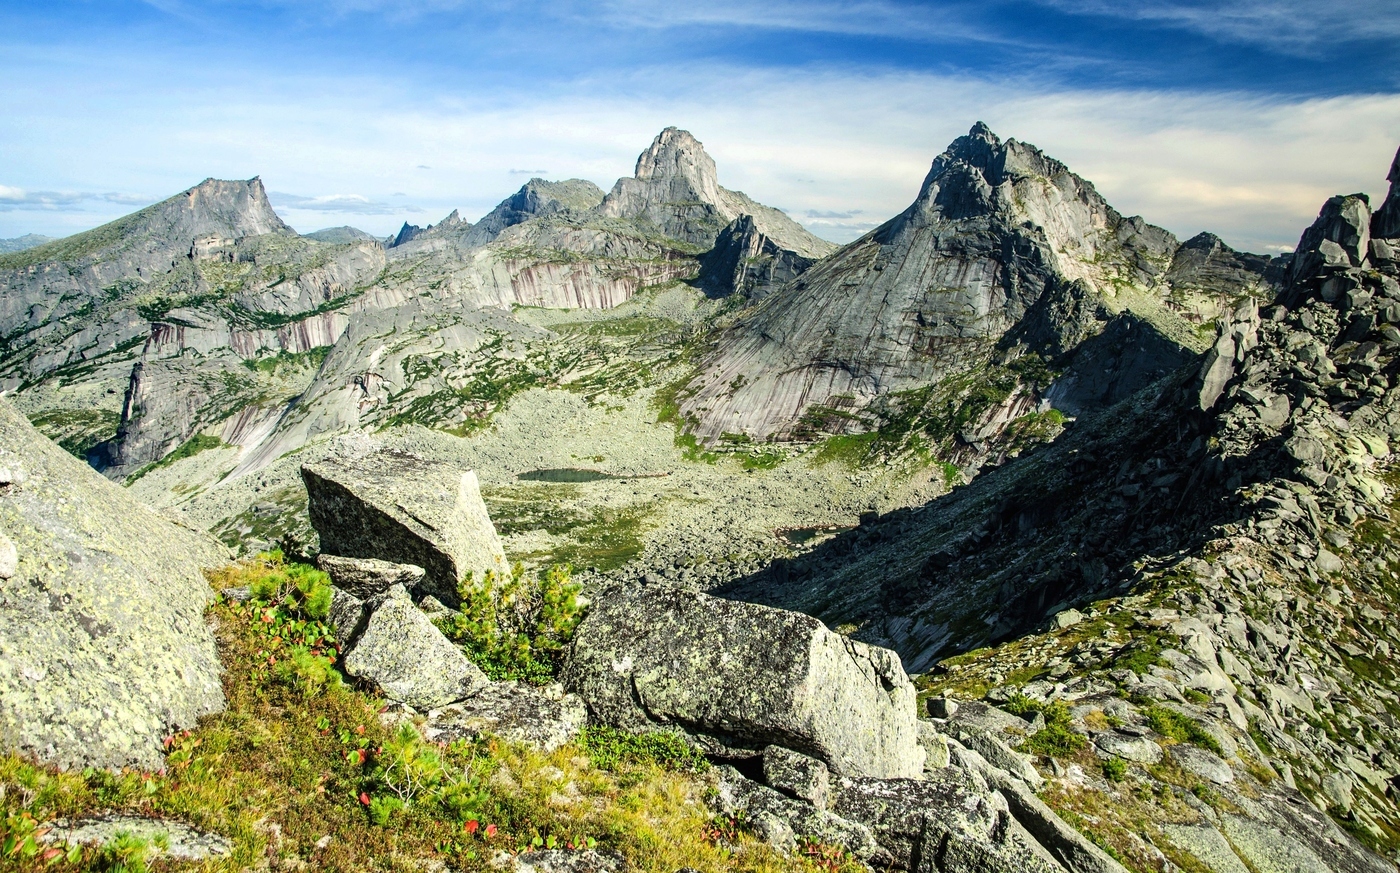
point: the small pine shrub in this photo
(1115, 769)
(516, 626)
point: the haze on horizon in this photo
(1238, 117)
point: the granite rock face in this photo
(368, 577)
(103, 646)
(1385, 224)
(400, 508)
(536, 199)
(410, 660)
(1001, 238)
(746, 261)
(676, 190)
(744, 675)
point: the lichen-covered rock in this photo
(346, 617)
(408, 658)
(368, 577)
(181, 842)
(560, 861)
(103, 645)
(782, 819)
(397, 507)
(545, 718)
(946, 823)
(744, 674)
(797, 775)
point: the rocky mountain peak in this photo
(232, 208)
(537, 197)
(1385, 224)
(676, 153)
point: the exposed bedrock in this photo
(744, 675)
(103, 646)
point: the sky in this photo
(1235, 116)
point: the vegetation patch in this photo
(200, 442)
(300, 772)
(515, 626)
(77, 431)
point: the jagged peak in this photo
(676, 153)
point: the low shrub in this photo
(1055, 740)
(1184, 729)
(516, 625)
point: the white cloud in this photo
(842, 152)
(1299, 26)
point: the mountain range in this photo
(1050, 455)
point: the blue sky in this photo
(1237, 116)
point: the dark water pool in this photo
(568, 474)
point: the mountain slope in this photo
(996, 244)
(1230, 534)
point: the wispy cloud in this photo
(349, 204)
(1298, 26)
(13, 198)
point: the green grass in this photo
(300, 772)
(1055, 740)
(1184, 729)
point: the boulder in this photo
(346, 617)
(545, 718)
(947, 822)
(181, 842)
(104, 650)
(368, 577)
(1202, 763)
(397, 507)
(408, 658)
(780, 819)
(797, 775)
(561, 861)
(745, 675)
(1128, 747)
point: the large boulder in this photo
(744, 675)
(103, 646)
(410, 660)
(398, 507)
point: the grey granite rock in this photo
(182, 842)
(1142, 750)
(785, 818)
(1201, 762)
(537, 198)
(545, 718)
(346, 617)
(1385, 224)
(797, 775)
(408, 658)
(104, 650)
(676, 190)
(396, 507)
(368, 577)
(562, 861)
(745, 261)
(1001, 242)
(947, 822)
(744, 674)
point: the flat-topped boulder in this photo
(368, 577)
(103, 646)
(400, 508)
(744, 675)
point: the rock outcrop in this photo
(103, 646)
(398, 649)
(745, 261)
(744, 675)
(396, 507)
(676, 190)
(536, 199)
(1002, 241)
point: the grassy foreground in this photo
(299, 773)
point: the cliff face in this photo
(1002, 240)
